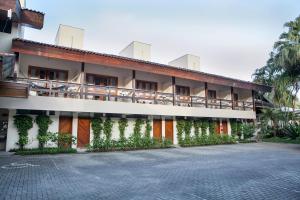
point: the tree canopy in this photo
(282, 70)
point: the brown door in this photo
(169, 130)
(65, 124)
(83, 134)
(224, 127)
(65, 127)
(157, 128)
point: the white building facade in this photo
(72, 85)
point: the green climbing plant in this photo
(23, 123)
(107, 129)
(212, 127)
(204, 126)
(43, 122)
(188, 124)
(197, 126)
(97, 127)
(123, 123)
(148, 129)
(180, 128)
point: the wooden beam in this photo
(174, 89)
(232, 98)
(206, 94)
(253, 100)
(133, 86)
(82, 79)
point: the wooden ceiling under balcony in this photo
(57, 52)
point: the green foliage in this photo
(282, 69)
(212, 127)
(43, 122)
(212, 139)
(180, 129)
(204, 126)
(97, 127)
(292, 131)
(236, 128)
(107, 128)
(197, 126)
(51, 150)
(248, 130)
(23, 123)
(148, 129)
(187, 130)
(63, 140)
(123, 123)
(137, 133)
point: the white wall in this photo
(13, 136)
(187, 61)
(84, 105)
(6, 38)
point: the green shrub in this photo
(204, 126)
(197, 126)
(63, 140)
(213, 139)
(292, 131)
(187, 130)
(248, 130)
(23, 123)
(43, 122)
(45, 151)
(212, 125)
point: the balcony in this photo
(116, 94)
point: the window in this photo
(5, 25)
(47, 74)
(182, 90)
(146, 85)
(101, 80)
(212, 94)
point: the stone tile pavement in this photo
(243, 171)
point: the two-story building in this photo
(72, 85)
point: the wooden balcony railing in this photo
(108, 93)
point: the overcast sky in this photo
(232, 37)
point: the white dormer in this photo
(69, 36)
(187, 61)
(137, 50)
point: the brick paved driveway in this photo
(244, 171)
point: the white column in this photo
(75, 127)
(163, 128)
(12, 133)
(151, 123)
(229, 127)
(175, 131)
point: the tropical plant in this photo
(107, 129)
(23, 123)
(197, 126)
(187, 130)
(248, 130)
(292, 131)
(43, 122)
(63, 140)
(180, 128)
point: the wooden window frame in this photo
(101, 76)
(47, 73)
(178, 87)
(143, 82)
(209, 97)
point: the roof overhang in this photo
(70, 54)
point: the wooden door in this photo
(224, 127)
(65, 124)
(169, 129)
(157, 129)
(65, 127)
(83, 133)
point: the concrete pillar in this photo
(229, 127)
(75, 127)
(163, 127)
(175, 131)
(12, 134)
